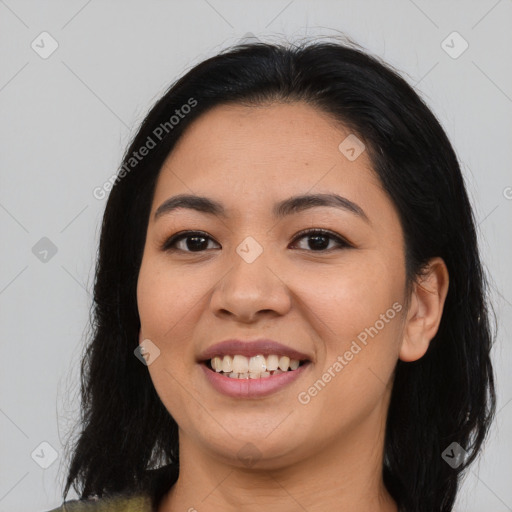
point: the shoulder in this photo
(156, 482)
(113, 504)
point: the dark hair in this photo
(447, 396)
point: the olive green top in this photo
(118, 504)
(158, 482)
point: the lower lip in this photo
(251, 388)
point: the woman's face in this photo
(249, 276)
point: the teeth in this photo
(227, 364)
(294, 364)
(240, 364)
(241, 367)
(272, 362)
(257, 364)
(284, 362)
(217, 364)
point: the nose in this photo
(249, 290)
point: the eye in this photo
(197, 241)
(318, 238)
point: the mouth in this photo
(238, 366)
(254, 377)
(252, 369)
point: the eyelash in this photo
(342, 243)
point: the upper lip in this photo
(251, 348)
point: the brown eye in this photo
(194, 241)
(319, 240)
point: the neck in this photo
(343, 475)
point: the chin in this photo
(255, 448)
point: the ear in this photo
(425, 310)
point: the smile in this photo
(239, 376)
(256, 367)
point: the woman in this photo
(290, 308)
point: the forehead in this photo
(288, 132)
(290, 145)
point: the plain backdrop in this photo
(67, 117)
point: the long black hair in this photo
(446, 397)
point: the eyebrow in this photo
(292, 205)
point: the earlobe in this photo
(426, 310)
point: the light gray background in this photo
(66, 120)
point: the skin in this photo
(312, 456)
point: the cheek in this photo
(164, 304)
(352, 298)
(151, 300)
(360, 310)
(162, 297)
